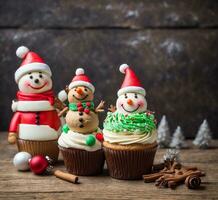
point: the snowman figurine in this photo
(81, 114)
(81, 140)
(35, 125)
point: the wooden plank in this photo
(25, 185)
(122, 14)
(178, 68)
(18, 181)
(179, 195)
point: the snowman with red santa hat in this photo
(131, 96)
(81, 140)
(35, 125)
(129, 131)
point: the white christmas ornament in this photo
(21, 161)
(204, 136)
(178, 140)
(163, 133)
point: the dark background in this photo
(172, 45)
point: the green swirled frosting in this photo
(136, 123)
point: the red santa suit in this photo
(35, 117)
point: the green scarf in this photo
(75, 106)
(136, 123)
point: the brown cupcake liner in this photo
(129, 164)
(83, 163)
(46, 148)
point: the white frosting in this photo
(34, 106)
(124, 138)
(37, 132)
(78, 141)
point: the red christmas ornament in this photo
(79, 104)
(99, 137)
(87, 111)
(38, 164)
(80, 109)
(88, 104)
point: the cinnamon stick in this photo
(152, 177)
(192, 182)
(178, 178)
(173, 174)
(66, 176)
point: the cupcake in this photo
(81, 140)
(35, 125)
(129, 131)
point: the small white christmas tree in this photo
(163, 133)
(171, 155)
(178, 140)
(204, 136)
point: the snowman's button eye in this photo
(40, 76)
(86, 89)
(31, 77)
(136, 96)
(126, 96)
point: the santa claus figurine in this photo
(35, 126)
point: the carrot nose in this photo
(79, 91)
(130, 102)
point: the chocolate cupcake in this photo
(81, 140)
(130, 131)
(83, 154)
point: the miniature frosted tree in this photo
(204, 136)
(171, 155)
(163, 133)
(178, 140)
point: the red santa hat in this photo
(31, 62)
(79, 80)
(131, 82)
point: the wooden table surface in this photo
(25, 185)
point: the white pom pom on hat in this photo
(80, 71)
(22, 51)
(62, 95)
(123, 68)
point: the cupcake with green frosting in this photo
(130, 131)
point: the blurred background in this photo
(172, 46)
